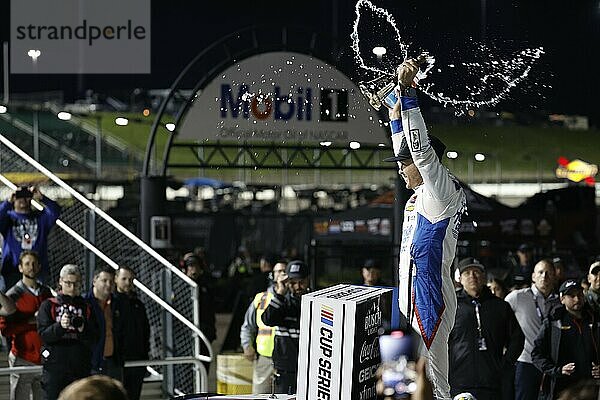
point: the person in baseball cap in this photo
(470, 262)
(297, 270)
(595, 268)
(570, 286)
(593, 293)
(284, 312)
(565, 349)
(471, 276)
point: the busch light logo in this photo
(333, 104)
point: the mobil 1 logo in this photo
(334, 105)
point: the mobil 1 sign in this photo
(339, 344)
(80, 37)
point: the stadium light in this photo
(379, 51)
(452, 155)
(479, 157)
(121, 121)
(354, 145)
(170, 126)
(325, 144)
(34, 54)
(63, 116)
(3, 109)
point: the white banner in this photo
(80, 37)
(280, 97)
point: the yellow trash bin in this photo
(234, 374)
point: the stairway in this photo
(152, 388)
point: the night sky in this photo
(568, 31)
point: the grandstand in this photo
(68, 145)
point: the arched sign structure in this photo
(282, 97)
(272, 97)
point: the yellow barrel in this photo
(234, 374)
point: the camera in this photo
(76, 321)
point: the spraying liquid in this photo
(484, 82)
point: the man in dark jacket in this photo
(485, 326)
(133, 331)
(68, 331)
(283, 312)
(195, 268)
(106, 354)
(566, 349)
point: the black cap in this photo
(594, 268)
(524, 247)
(370, 263)
(468, 263)
(23, 193)
(404, 151)
(297, 269)
(568, 286)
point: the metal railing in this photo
(198, 336)
(200, 383)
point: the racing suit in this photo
(429, 234)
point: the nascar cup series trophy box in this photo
(339, 342)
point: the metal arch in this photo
(292, 156)
(308, 48)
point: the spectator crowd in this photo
(531, 334)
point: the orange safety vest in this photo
(265, 339)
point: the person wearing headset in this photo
(258, 339)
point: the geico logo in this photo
(333, 104)
(367, 373)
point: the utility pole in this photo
(6, 73)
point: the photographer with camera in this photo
(68, 331)
(283, 312)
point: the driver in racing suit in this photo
(429, 231)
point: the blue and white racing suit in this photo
(429, 234)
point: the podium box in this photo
(339, 342)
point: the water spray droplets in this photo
(483, 80)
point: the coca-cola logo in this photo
(369, 350)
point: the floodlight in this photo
(64, 116)
(121, 121)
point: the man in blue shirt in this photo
(24, 228)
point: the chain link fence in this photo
(169, 336)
